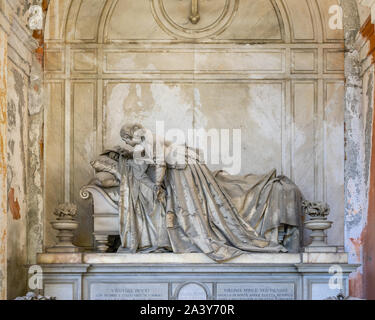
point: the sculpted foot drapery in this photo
(166, 206)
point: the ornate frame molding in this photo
(169, 26)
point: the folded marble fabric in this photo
(106, 180)
(106, 164)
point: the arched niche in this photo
(273, 68)
(110, 21)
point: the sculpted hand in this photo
(160, 194)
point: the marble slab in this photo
(191, 258)
(256, 291)
(129, 291)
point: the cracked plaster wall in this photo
(359, 152)
(24, 143)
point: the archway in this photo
(105, 58)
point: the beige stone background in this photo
(274, 69)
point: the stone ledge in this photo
(190, 258)
(320, 258)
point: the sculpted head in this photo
(132, 133)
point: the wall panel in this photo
(83, 142)
(54, 153)
(334, 156)
(304, 148)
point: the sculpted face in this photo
(127, 138)
(127, 134)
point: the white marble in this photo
(325, 257)
(173, 276)
(190, 258)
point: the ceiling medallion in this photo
(194, 19)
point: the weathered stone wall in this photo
(20, 135)
(16, 178)
(355, 188)
(3, 163)
(359, 115)
(360, 199)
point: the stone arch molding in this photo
(176, 22)
(110, 21)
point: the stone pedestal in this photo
(65, 224)
(318, 226)
(92, 276)
(65, 236)
(321, 249)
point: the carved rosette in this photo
(180, 20)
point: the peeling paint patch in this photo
(357, 244)
(3, 164)
(14, 205)
(41, 149)
(35, 152)
(356, 188)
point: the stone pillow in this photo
(105, 164)
(106, 180)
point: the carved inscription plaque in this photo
(129, 291)
(255, 291)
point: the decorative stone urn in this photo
(65, 224)
(318, 223)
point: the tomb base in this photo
(167, 276)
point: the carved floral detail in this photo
(316, 210)
(66, 211)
